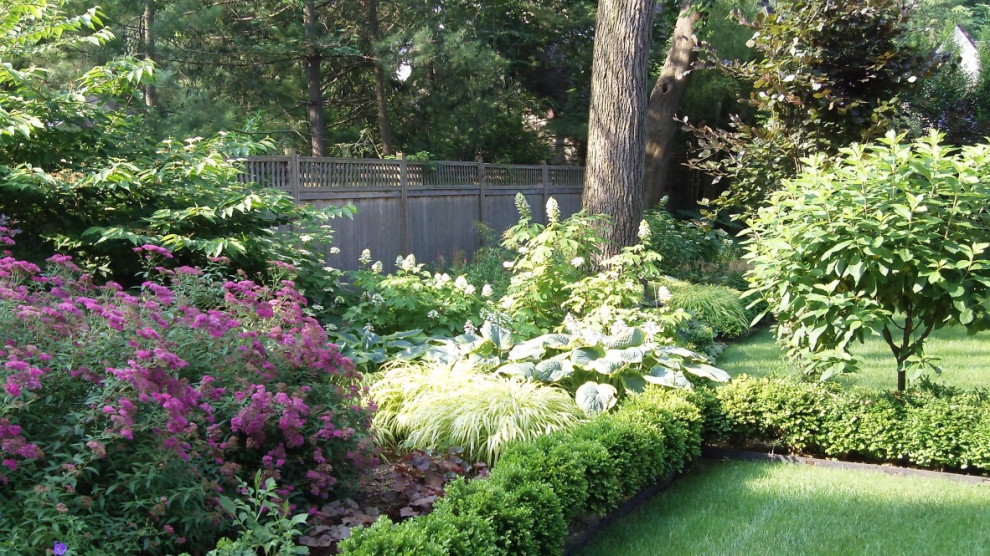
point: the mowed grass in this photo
(761, 508)
(965, 360)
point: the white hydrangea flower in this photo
(433, 314)
(377, 267)
(336, 251)
(368, 328)
(461, 283)
(470, 290)
(365, 257)
(644, 231)
(398, 260)
(663, 294)
(553, 211)
(377, 299)
(487, 291)
(507, 264)
(409, 262)
(571, 323)
(577, 262)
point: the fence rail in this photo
(428, 208)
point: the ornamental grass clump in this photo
(125, 416)
(432, 407)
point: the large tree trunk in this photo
(661, 129)
(381, 98)
(314, 97)
(613, 182)
(148, 48)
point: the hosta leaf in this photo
(628, 355)
(706, 371)
(634, 382)
(584, 356)
(595, 398)
(523, 370)
(499, 336)
(554, 370)
(605, 366)
(665, 377)
(629, 337)
(530, 349)
(674, 350)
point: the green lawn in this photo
(965, 360)
(760, 508)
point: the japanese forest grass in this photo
(762, 508)
(965, 360)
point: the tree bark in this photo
(665, 99)
(617, 120)
(381, 98)
(314, 82)
(148, 49)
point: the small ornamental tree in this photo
(888, 238)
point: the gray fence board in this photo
(430, 209)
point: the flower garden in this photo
(183, 374)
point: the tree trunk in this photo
(616, 123)
(314, 99)
(664, 102)
(148, 49)
(381, 98)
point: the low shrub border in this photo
(934, 427)
(538, 487)
(567, 477)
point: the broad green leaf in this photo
(523, 370)
(595, 398)
(707, 371)
(554, 370)
(666, 377)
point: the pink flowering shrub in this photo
(125, 415)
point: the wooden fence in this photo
(428, 208)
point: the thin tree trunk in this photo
(668, 92)
(381, 97)
(314, 98)
(616, 123)
(148, 49)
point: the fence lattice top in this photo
(291, 172)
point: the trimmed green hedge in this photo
(932, 426)
(538, 487)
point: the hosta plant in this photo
(596, 368)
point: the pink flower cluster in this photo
(245, 383)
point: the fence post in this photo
(482, 185)
(404, 203)
(545, 178)
(294, 180)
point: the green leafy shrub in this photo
(429, 406)
(693, 250)
(561, 466)
(928, 427)
(384, 537)
(549, 259)
(886, 239)
(414, 299)
(522, 518)
(125, 416)
(678, 416)
(83, 179)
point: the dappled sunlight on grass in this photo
(965, 359)
(760, 508)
